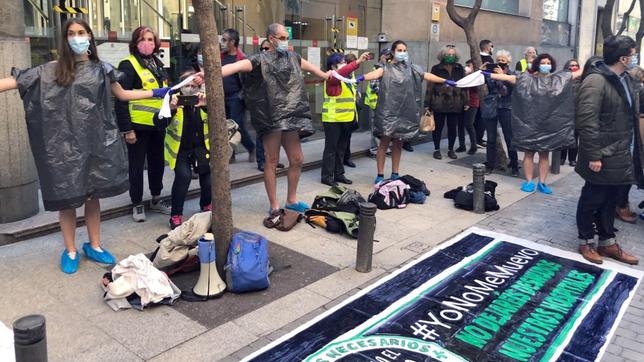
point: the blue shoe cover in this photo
(100, 257)
(544, 189)
(394, 176)
(527, 186)
(68, 265)
(378, 180)
(300, 207)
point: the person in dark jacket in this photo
(143, 70)
(447, 103)
(606, 121)
(571, 152)
(500, 97)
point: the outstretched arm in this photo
(8, 84)
(504, 77)
(129, 95)
(430, 77)
(373, 75)
(243, 66)
(306, 66)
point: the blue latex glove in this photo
(161, 92)
(450, 83)
(360, 78)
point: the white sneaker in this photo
(160, 206)
(138, 213)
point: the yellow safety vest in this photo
(341, 108)
(173, 137)
(371, 97)
(142, 111)
(524, 65)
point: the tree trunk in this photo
(222, 217)
(607, 17)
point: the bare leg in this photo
(544, 166)
(93, 222)
(272, 143)
(528, 165)
(291, 144)
(382, 154)
(67, 219)
(396, 153)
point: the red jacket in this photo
(475, 101)
(333, 86)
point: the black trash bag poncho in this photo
(543, 112)
(275, 96)
(400, 101)
(77, 147)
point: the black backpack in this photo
(415, 185)
(464, 198)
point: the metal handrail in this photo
(39, 10)
(160, 17)
(232, 11)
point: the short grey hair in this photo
(443, 52)
(503, 53)
(273, 29)
(528, 49)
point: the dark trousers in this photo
(597, 204)
(467, 123)
(622, 196)
(336, 138)
(181, 184)
(259, 151)
(452, 122)
(479, 126)
(570, 153)
(235, 111)
(149, 145)
(347, 152)
(504, 117)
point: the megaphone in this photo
(209, 284)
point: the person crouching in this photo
(186, 146)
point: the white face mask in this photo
(468, 70)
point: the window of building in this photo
(555, 10)
(501, 6)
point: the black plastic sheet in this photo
(77, 147)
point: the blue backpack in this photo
(247, 267)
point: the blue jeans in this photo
(505, 118)
(235, 111)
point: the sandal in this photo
(274, 218)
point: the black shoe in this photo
(280, 165)
(329, 182)
(437, 155)
(489, 170)
(460, 149)
(472, 150)
(572, 163)
(260, 166)
(407, 147)
(344, 180)
(451, 154)
(514, 172)
(482, 144)
(349, 163)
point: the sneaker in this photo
(206, 208)
(394, 176)
(103, 256)
(175, 221)
(527, 186)
(67, 264)
(299, 206)
(472, 151)
(514, 172)
(541, 187)
(378, 180)
(489, 170)
(460, 149)
(481, 144)
(160, 206)
(572, 163)
(437, 155)
(138, 213)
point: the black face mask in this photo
(503, 65)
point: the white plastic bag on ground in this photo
(7, 353)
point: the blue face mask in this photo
(545, 68)
(79, 44)
(282, 46)
(200, 59)
(634, 62)
(401, 57)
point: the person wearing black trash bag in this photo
(187, 146)
(609, 152)
(280, 112)
(399, 106)
(543, 110)
(78, 150)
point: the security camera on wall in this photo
(382, 38)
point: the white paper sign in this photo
(314, 56)
(113, 53)
(352, 41)
(363, 42)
